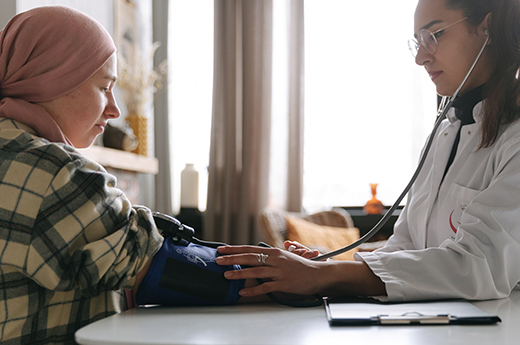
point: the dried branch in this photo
(138, 81)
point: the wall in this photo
(101, 10)
(7, 10)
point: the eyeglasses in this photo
(428, 39)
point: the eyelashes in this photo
(438, 34)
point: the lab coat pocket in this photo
(457, 200)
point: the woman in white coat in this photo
(459, 234)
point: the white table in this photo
(273, 324)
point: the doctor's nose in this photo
(423, 56)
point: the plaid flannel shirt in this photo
(69, 240)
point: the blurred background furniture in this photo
(325, 230)
(365, 222)
(275, 226)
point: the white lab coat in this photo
(461, 238)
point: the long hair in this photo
(502, 104)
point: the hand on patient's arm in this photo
(291, 273)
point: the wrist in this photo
(350, 278)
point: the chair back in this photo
(275, 227)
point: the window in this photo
(368, 107)
(190, 90)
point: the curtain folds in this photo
(296, 106)
(163, 190)
(238, 188)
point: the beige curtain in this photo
(295, 113)
(163, 190)
(241, 126)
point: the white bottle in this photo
(190, 187)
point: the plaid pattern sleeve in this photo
(69, 240)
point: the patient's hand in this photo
(300, 249)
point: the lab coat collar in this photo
(477, 113)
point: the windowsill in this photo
(123, 160)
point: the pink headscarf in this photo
(46, 53)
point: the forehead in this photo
(429, 11)
(109, 69)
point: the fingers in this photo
(310, 254)
(248, 259)
(249, 273)
(301, 250)
(261, 289)
(305, 253)
(293, 245)
(282, 270)
(230, 250)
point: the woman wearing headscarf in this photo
(69, 239)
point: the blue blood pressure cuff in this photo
(186, 274)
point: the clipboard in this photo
(369, 312)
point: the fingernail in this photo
(228, 274)
(219, 260)
(243, 293)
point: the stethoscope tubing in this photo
(441, 115)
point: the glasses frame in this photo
(415, 44)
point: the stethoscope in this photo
(181, 232)
(444, 107)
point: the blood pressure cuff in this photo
(185, 274)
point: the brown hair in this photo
(503, 88)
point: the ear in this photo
(486, 23)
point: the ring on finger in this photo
(261, 258)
